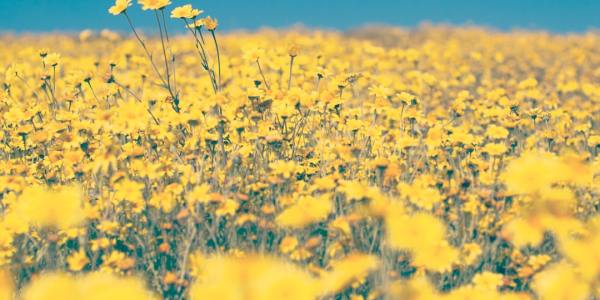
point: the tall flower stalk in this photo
(187, 14)
(168, 78)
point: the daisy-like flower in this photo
(119, 7)
(185, 12)
(196, 24)
(154, 4)
(210, 23)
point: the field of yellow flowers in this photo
(433, 163)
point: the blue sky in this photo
(551, 15)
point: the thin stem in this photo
(262, 74)
(144, 47)
(28, 87)
(169, 47)
(199, 29)
(54, 79)
(162, 41)
(291, 67)
(212, 32)
(139, 100)
(199, 45)
(203, 56)
(93, 92)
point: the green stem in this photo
(291, 67)
(212, 32)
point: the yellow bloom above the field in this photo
(119, 7)
(154, 4)
(307, 210)
(185, 12)
(210, 23)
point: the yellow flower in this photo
(77, 261)
(293, 49)
(210, 23)
(288, 244)
(102, 286)
(6, 285)
(200, 193)
(522, 232)
(196, 24)
(420, 193)
(185, 12)
(307, 210)
(402, 230)
(494, 149)
(129, 190)
(227, 207)
(93, 286)
(488, 280)
(52, 59)
(352, 268)
(532, 172)
(60, 207)
(497, 132)
(438, 257)
(119, 7)
(252, 278)
(560, 282)
(284, 168)
(154, 4)
(51, 287)
(470, 252)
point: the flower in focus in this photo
(154, 4)
(119, 7)
(185, 12)
(210, 23)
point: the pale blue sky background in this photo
(551, 15)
